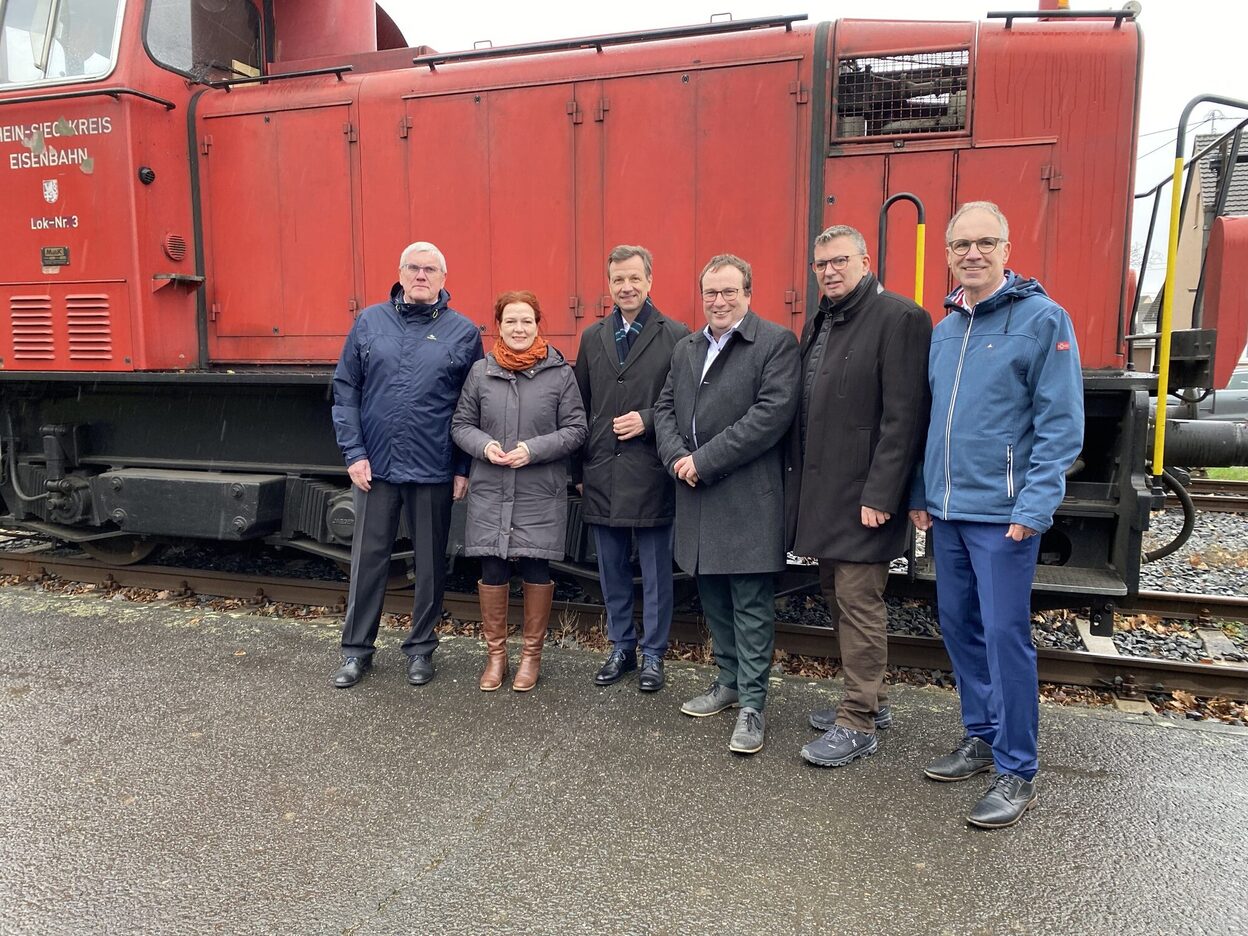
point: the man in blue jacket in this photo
(1006, 424)
(395, 389)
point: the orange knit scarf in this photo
(519, 360)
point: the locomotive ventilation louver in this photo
(175, 247)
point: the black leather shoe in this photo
(973, 756)
(351, 671)
(420, 669)
(1006, 801)
(619, 663)
(651, 679)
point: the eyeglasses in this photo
(985, 245)
(429, 271)
(837, 263)
(709, 295)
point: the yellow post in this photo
(1165, 325)
(920, 230)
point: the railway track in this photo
(1124, 675)
(1216, 495)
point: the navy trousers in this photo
(654, 552)
(428, 511)
(983, 597)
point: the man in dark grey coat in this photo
(730, 396)
(853, 447)
(620, 368)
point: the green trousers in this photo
(740, 611)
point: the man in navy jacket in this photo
(1006, 424)
(395, 390)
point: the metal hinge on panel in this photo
(405, 125)
(790, 297)
(349, 130)
(1052, 176)
(574, 111)
(600, 110)
(204, 144)
(605, 305)
(574, 303)
(800, 91)
(353, 307)
(212, 311)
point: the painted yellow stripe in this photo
(920, 240)
(1166, 324)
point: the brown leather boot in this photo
(493, 599)
(537, 599)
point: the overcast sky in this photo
(1191, 47)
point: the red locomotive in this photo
(198, 195)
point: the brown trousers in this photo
(855, 595)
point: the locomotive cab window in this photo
(901, 94)
(47, 41)
(207, 40)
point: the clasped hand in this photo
(518, 457)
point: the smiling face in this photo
(421, 276)
(629, 284)
(840, 252)
(518, 326)
(724, 299)
(981, 269)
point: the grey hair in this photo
(987, 206)
(843, 230)
(423, 247)
(627, 252)
(732, 260)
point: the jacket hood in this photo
(1016, 287)
(396, 298)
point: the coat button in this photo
(619, 379)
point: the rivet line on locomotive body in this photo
(198, 198)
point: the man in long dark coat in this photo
(626, 493)
(858, 435)
(730, 397)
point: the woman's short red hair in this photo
(516, 295)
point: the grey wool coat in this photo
(732, 521)
(519, 511)
(625, 483)
(866, 421)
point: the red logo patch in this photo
(1063, 346)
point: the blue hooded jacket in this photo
(1007, 409)
(396, 387)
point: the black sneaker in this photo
(973, 756)
(840, 746)
(825, 719)
(1009, 797)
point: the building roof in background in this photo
(1237, 197)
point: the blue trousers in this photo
(615, 570)
(983, 597)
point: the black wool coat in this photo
(866, 423)
(732, 521)
(625, 483)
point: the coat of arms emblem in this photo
(51, 191)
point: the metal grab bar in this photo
(114, 93)
(920, 230)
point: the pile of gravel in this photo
(1213, 562)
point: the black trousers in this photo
(428, 511)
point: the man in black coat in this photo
(858, 434)
(620, 367)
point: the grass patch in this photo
(1229, 474)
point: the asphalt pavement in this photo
(170, 771)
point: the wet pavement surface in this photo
(169, 771)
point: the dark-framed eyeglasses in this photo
(985, 245)
(729, 294)
(836, 263)
(414, 268)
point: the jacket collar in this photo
(650, 326)
(552, 359)
(844, 310)
(433, 310)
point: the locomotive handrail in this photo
(1116, 15)
(114, 93)
(920, 231)
(1167, 300)
(227, 83)
(434, 59)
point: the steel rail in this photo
(1122, 674)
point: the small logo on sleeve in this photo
(1063, 346)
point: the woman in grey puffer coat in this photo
(519, 416)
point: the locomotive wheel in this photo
(120, 550)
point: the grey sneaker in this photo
(711, 702)
(747, 736)
(973, 756)
(840, 746)
(825, 719)
(1006, 801)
